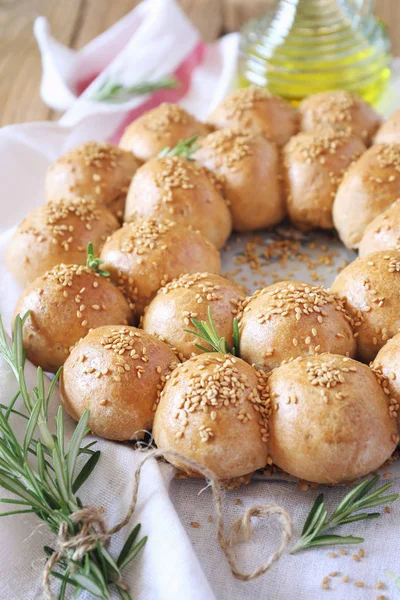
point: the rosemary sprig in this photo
(94, 263)
(112, 91)
(208, 333)
(184, 148)
(48, 488)
(359, 498)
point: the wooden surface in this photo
(75, 22)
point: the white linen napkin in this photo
(179, 562)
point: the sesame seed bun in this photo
(314, 165)
(160, 127)
(143, 256)
(387, 368)
(180, 190)
(256, 110)
(55, 233)
(330, 420)
(212, 410)
(383, 233)
(248, 166)
(370, 287)
(95, 170)
(343, 110)
(65, 304)
(290, 319)
(117, 373)
(169, 313)
(370, 185)
(389, 132)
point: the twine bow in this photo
(94, 530)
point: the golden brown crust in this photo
(65, 304)
(371, 288)
(383, 233)
(343, 110)
(117, 373)
(370, 185)
(143, 256)
(95, 170)
(55, 233)
(389, 132)
(387, 368)
(290, 319)
(330, 420)
(180, 190)
(248, 166)
(212, 410)
(160, 127)
(256, 110)
(314, 165)
(169, 313)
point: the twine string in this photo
(94, 530)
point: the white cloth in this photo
(179, 562)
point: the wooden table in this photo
(75, 22)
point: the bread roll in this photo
(170, 312)
(371, 288)
(180, 190)
(383, 233)
(144, 256)
(212, 410)
(370, 186)
(387, 368)
(343, 110)
(158, 128)
(256, 110)
(95, 170)
(249, 167)
(290, 319)
(389, 132)
(117, 373)
(55, 233)
(330, 420)
(314, 165)
(65, 304)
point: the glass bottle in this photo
(300, 47)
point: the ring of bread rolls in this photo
(314, 164)
(329, 420)
(258, 111)
(178, 189)
(117, 373)
(143, 256)
(369, 186)
(161, 127)
(383, 233)
(290, 319)
(95, 170)
(341, 109)
(64, 305)
(169, 314)
(389, 131)
(212, 410)
(370, 286)
(248, 166)
(56, 233)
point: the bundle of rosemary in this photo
(41, 471)
(112, 91)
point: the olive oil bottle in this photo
(301, 47)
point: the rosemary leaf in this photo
(184, 148)
(112, 91)
(86, 471)
(209, 334)
(360, 497)
(94, 263)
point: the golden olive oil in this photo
(301, 47)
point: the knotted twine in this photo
(94, 530)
